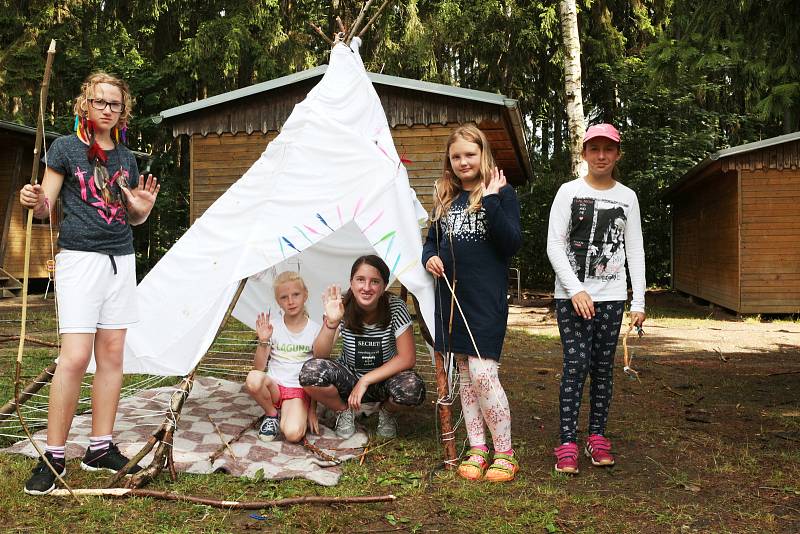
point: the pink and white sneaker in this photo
(567, 458)
(598, 448)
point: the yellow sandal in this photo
(500, 471)
(472, 470)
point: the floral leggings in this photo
(484, 400)
(589, 346)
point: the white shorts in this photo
(91, 296)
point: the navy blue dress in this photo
(476, 249)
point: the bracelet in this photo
(267, 343)
(332, 327)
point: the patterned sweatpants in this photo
(589, 346)
(405, 388)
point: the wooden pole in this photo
(48, 70)
(445, 414)
(165, 433)
(228, 505)
(30, 390)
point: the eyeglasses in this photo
(99, 103)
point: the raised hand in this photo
(496, 183)
(141, 199)
(263, 327)
(332, 304)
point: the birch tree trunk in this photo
(572, 81)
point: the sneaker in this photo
(598, 448)
(43, 480)
(345, 424)
(270, 427)
(387, 424)
(108, 459)
(567, 458)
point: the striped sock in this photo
(56, 451)
(99, 443)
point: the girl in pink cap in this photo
(594, 230)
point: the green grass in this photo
(661, 464)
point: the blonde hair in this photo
(286, 277)
(448, 186)
(81, 107)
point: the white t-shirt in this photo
(290, 351)
(591, 234)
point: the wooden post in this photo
(165, 433)
(35, 385)
(445, 414)
(442, 392)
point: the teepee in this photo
(328, 189)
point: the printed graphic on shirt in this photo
(596, 246)
(111, 209)
(465, 226)
(368, 353)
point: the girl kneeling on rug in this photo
(474, 233)
(378, 352)
(594, 229)
(283, 347)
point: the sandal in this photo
(503, 469)
(472, 469)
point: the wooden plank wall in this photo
(218, 161)
(770, 240)
(40, 238)
(706, 241)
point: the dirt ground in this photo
(707, 440)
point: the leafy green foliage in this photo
(680, 78)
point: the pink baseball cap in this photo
(601, 130)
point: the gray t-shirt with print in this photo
(90, 223)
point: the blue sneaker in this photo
(269, 428)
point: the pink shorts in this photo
(292, 393)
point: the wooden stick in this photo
(48, 70)
(230, 505)
(357, 23)
(30, 390)
(784, 373)
(234, 439)
(321, 33)
(368, 450)
(374, 17)
(30, 340)
(222, 438)
(445, 416)
(319, 452)
(165, 434)
(340, 24)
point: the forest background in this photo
(680, 78)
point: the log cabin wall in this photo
(770, 245)
(16, 154)
(706, 240)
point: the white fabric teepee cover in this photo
(328, 189)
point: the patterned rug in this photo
(231, 409)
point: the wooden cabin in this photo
(228, 132)
(736, 227)
(16, 164)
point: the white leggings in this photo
(484, 400)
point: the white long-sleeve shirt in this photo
(591, 234)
